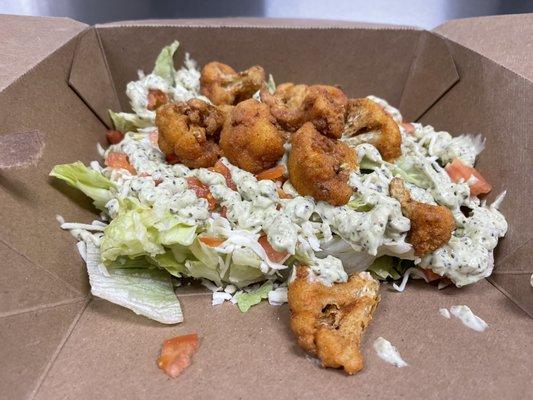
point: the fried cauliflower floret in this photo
(319, 166)
(223, 85)
(367, 117)
(431, 225)
(251, 138)
(294, 105)
(328, 321)
(189, 132)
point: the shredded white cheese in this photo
(445, 313)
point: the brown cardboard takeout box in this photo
(58, 77)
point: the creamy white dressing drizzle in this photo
(468, 318)
(387, 352)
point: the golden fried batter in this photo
(364, 116)
(223, 85)
(329, 320)
(294, 105)
(431, 226)
(189, 131)
(251, 138)
(320, 166)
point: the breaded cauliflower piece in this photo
(251, 138)
(322, 105)
(431, 225)
(223, 85)
(329, 320)
(189, 132)
(365, 116)
(320, 167)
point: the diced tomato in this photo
(172, 158)
(273, 174)
(156, 98)
(282, 194)
(409, 127)
(154, 137)
(221, 168)
(458, 170)
(273, 254)
(430, 275)
(176, 354)
(211, 241)
(114, 137)
(224, 212)
(202, 191)
(119, 160)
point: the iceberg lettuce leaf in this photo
(164, 64)
(91, 182)
(127, 122)
(145, 291)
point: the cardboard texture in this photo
(57, 342)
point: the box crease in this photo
(41, 307)
(104, 59)
(58, 350)
(37, 265)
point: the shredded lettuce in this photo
(164, 64)
(145, 291)
(127, 122)
(91, 182)
(246, 300)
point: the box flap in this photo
(432, 73)
(493, 100)
(28, 40)
(505, 39)
(90, 77)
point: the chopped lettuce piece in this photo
(358, 204)
(127, 122)
(168, 262)
(244, 274)
(246, 300)
(164, 64)
(138, 230)
(91, 182)
(407, 169)
(197, 269)
(145, 291)
(389, 267)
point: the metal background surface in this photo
(423, 13)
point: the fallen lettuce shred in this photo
(245, 300)
(145, 291)
(91, 182)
